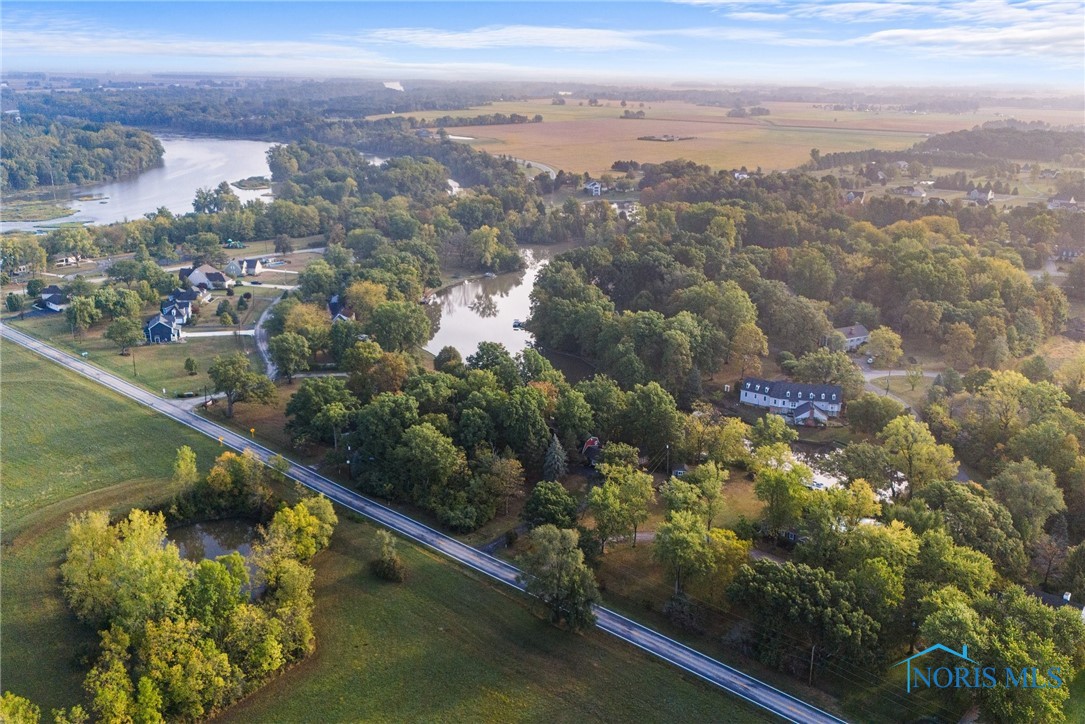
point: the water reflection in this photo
(484, 309)
(188, 164)
(211, 540)
(484, 306)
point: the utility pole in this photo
(668, 458)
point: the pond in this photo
(214, 538)
(189, 163)
(485, 309)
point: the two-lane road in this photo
(694, 662)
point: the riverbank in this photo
(188, 164)
(33, 210)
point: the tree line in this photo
(43, 152)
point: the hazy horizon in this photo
(1036, 45)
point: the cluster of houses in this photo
(177, 310)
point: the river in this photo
(472, 311)
(483, 309)
(188, 164)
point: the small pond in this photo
(213, 539)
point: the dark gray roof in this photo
(798, 390)
(185, 295)
(161, 319)
(51, 290)
(1051, 599)
(337, 307)
(56, 299)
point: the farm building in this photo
(798, 402)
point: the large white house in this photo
(855, 336)
(799, 402)
(207, 277)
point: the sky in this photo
(1015, 44)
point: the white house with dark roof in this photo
(207, 277)
(244, 267)
(1062, 201)
(54, 299)
(797, 401)
(180, 312)
(339, 310)
(594, 188)
(855, 336)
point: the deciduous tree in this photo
(550, 503)
(555, 573)
(124, 333)
(681, 545)
(290, 353)
(915, 453)
(233, 375)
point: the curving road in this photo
(742, 685)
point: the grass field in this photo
(445, 646)
(157, 366)
(580, 138)
(67, 445)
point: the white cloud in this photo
(515, 36)
(1039, 41)
(44, 35)
(755, 16)
(1049, 29)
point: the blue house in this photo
(162, 329)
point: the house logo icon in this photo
(962, 654)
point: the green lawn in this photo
(446, 646)
(899, 386)
(67, 445)
(156, 366)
